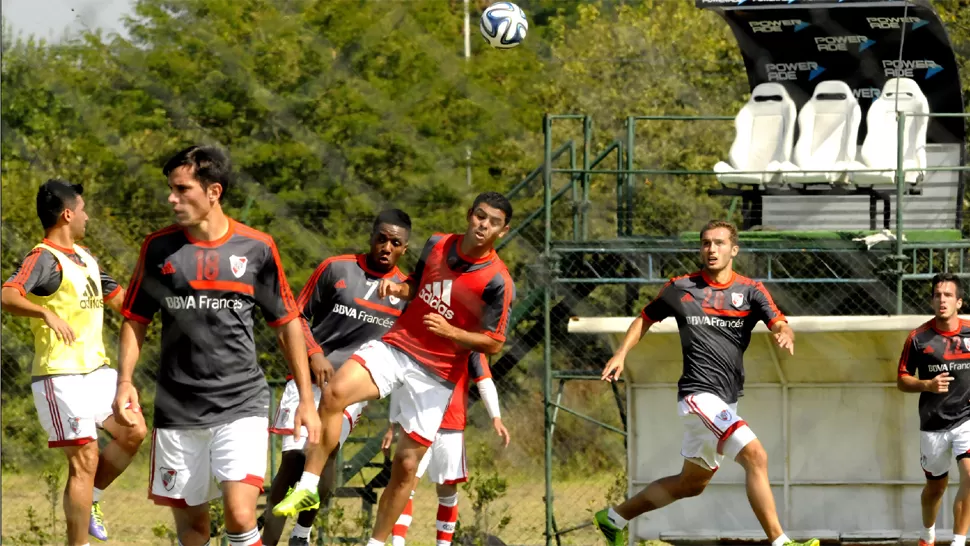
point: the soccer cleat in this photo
(614, 535)
(809, 542)
(96, 524)
(297, 501)
(298, 541)
(924, 543)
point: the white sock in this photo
(780, 541)
(300, 531)
(928, 534)
(397, 541)
(374, 542)
(97, 494)
(959, 540)
(617, 519)
(244, 539)
(308, 481)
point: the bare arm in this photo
(15, 303)
(478, 342)
(130, 340)
(908, 383)
(292, 345)
(115, 302)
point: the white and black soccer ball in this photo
(504, 25)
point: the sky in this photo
(50, 18)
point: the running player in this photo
(60, 287)
(716, 309)
(206, 274)
(459, 296)
(339, 301)
(445, 459)
(938, 352)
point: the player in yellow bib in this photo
(62, 290)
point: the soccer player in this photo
(445, 459)
(63, 291)
(459, 295)
(340, 304)
(938, 353)
(716, 309)
(206, 274)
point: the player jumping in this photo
(60, 287)
(937, 353)
(459, 296)
(716, 309)
(206, 274)
(445, 459)
(341, 305)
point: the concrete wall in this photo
(842, 441)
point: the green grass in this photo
(130, 516)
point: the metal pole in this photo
(630, 135)
(468, 55)
(900, 186)
(587, 143)
(547, 327)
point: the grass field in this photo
(131, 517)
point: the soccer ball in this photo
(504, 25)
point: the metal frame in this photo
(625, 174)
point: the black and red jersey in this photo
(715, 323)
(929, 352)
(207, 292)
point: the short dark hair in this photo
(947, 277)
(209, 164)
(715, 224)
(496, 200)
(53, 197)
(393, 217)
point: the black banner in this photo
(860, 45)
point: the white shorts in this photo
(187, 465)
(712, 430)
(445, 459)
(422, 396)
(71, 408)
(936, 448)
(283, 420)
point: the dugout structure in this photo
(842, 441)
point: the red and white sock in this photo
(400, 530)
(447, 517)
(249, 538)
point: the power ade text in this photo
(888, 23)
(362, 315)
(773, 26)
(894, 68)
(778, 72)
(838, 43)
(202, 302)
(714, 321)
(435, 303)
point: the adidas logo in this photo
(90, 299)
(438, 295)
(340, 284)
(168, 268)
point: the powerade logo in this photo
(871, 93)
(895, 23)
(907, 69)
(778, 25)
(782, 72)
(842, 43)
